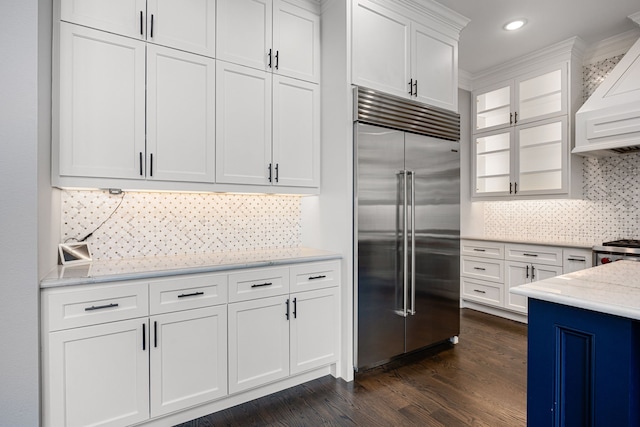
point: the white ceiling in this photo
(484, 44)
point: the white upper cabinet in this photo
(274, 139)
(180, 116)
(403, 56)
(522, 121)
(296, 132)
(434, 67)
(245, 32)
(124, 17)
(243, 125)
(103, 111)
(380, 53)
(296, 41)
(186, 25)
(527, 160)
(102, 104)
(530, 97)
(270, 35)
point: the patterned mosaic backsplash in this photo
(610, 209)
(156, 224)
(594, 74)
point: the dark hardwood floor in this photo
(479, 382)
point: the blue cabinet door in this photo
(583, 368)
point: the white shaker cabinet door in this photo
(243, 125)
(296, 132)
(98, 376)
(180, 116)
(380, 51)
(434, 67)
(102, 104)
(516, 273)
(314, 329)
(296, 42)
(188, 358)
(124, 17)
(258, 342)
(186, 25)
(244, 32)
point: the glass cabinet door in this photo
(492, 171)
(542, 157)
(493, 108)
(541, 95)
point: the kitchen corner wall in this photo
(157, 224)
(610, 209)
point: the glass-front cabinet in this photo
(525, 160)
(534, 96)
(521, 134)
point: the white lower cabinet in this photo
(97, 375)
(188, 358)
(258, 342)
(520, 273)
(313, 329)
(119, 354)
(272, 338)
(488, 270)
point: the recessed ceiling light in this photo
(514, 25)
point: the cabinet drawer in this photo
(548, 255)
(576, 259)
(259, 283)
(85, 306)
(317, 275)
(187, 292)
(482, 249)
(481, 291)
(485, 269)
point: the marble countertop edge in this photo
(610, 288)
(573, 244)
(142, 268)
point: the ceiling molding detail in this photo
(613, 46)
(635, 17)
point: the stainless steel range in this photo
(614, 251)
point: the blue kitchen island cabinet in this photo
(584, 348)
(583, 367)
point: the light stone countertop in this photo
(161, 266)
(582, 245)
(609, 288)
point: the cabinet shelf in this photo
(487, 152)
(540, 171)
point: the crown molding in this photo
(635, 17)
(612, 46)
(465, 80)
(572, 48)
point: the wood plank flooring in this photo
(479, 382)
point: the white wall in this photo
(24, 128)
(327, 220)
(471, 214)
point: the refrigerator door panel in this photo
(379, 249)
(435, 166)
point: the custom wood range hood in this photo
(609, 121)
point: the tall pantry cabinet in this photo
(202, 96)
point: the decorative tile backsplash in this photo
(152, 224)
(610, 209)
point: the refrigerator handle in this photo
(405, 237)
(412, 311)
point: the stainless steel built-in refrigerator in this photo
(407, 225)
